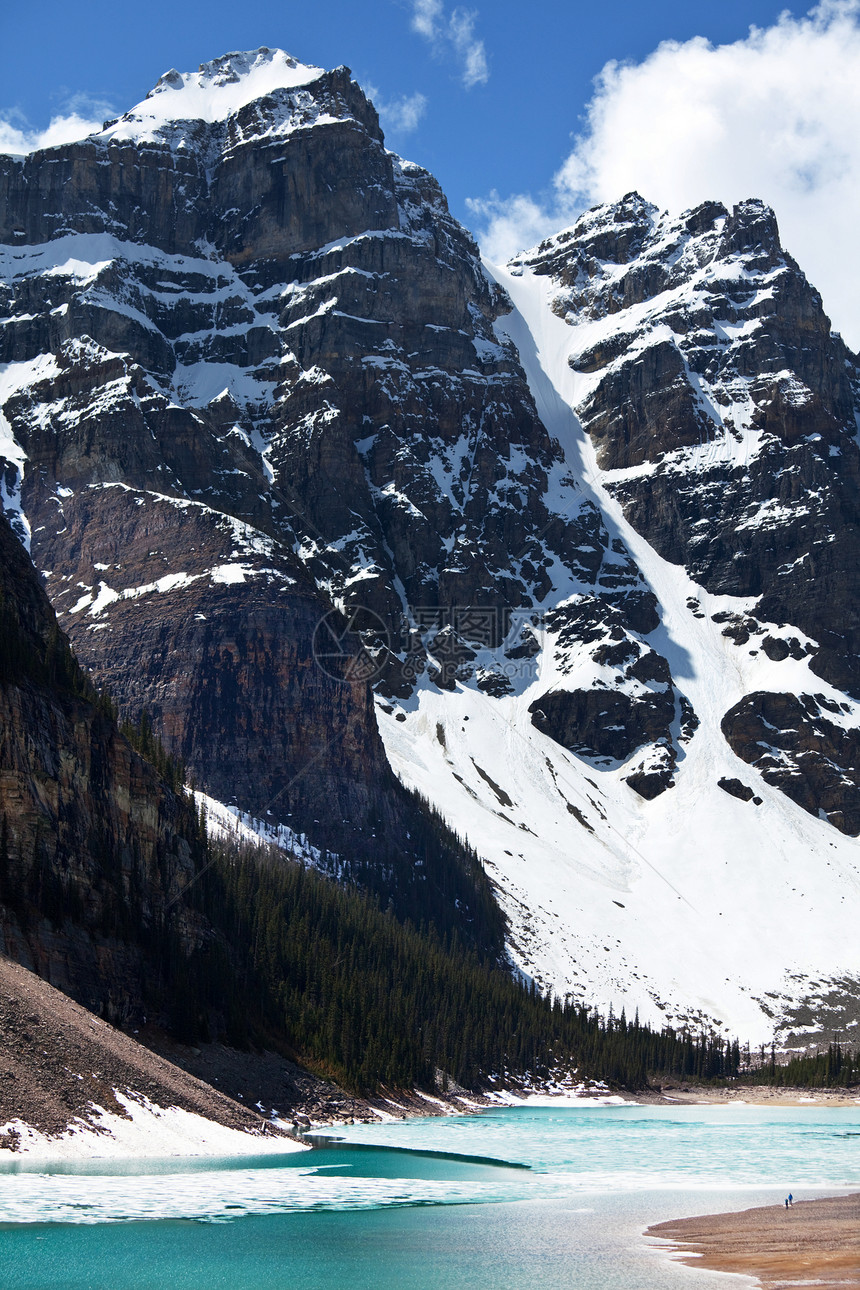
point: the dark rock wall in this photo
(724, 411)
(733, 386)
(280, 322)
(794, 745)
(91, 836)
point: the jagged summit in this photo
(176, 169)
(215, 92)
(260, 69)
(702, 360)
(633, 229)
(611, 229)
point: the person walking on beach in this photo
(790, 1199)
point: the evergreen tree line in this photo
(430, 877)
(838, 1067)
(294, 961)
(321, 971)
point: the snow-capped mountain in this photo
(589, 519)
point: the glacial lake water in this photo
(433, 1204)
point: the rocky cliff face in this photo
(222, 621)
(141, 390)
(721, 407)
(95, 846)
(723, 412)
(253, 374)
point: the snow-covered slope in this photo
(213, 93)
(697, 905)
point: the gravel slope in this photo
(57, 1059)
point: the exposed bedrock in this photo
(219, 621)
(628, 702)
(797, 748)
(600, 723)
(643, 408)
(90, 834)
(249, 196)
(718, 392)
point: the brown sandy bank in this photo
(750, 1095)
(815, 1243)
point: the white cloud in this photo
(461, 31)
(427, 18)
(776, 116)
(398, 116)
(83, 116)
(511, 224)
(453, 33)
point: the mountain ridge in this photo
(601, 503)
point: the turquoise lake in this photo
(425, 1204)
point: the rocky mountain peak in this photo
(600, 508)
(708, 377)
(613, 232)
(215, 92)
(702, 218)
(176, 172)
(752, 231)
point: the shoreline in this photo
(135, 1127)
(74, 1087)
(814, 1242)
(751, 1095)
(463, 1102)
(142, 1131)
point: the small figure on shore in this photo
(786, 1202)
(790, 1199)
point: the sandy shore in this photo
(749, 1095)
(814, 1243)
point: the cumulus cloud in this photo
(453, 34)
(22, 138)
(776, 116)
(82, 114)
(506, 225)
(398, 116)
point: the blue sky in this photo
(509, 133)
(501, 100)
